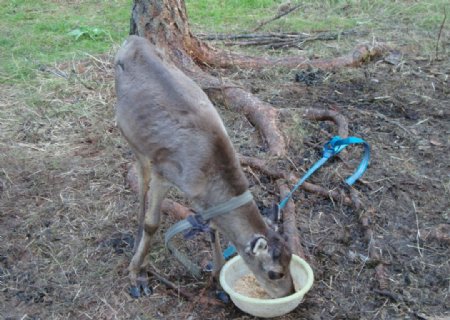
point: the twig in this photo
(271, 35)
(286, 42)
(332, 194)
(440, 32)
(278, 16)
(388, 294)
(382, 277)
(418, 230)
(249, 169)
(382, 116)
(277, 40)
(186, 294)
(171, 285)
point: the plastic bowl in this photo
(302, 276)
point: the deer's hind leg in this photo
(143, 172)
(149, 220)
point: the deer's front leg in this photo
(149, 225)
(218, 260)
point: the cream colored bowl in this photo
(302, 276)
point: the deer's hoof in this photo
(222, 296)
(140, 289)
(135, 292)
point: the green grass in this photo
(36, 33)
(236, 16)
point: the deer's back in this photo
(166, 117)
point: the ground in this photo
(67, 215)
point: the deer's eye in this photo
(276, 253)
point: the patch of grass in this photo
(36, 33)
(228, 16)
(411, 24)
(239, 16)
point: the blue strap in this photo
(316, 166)
(330, 149)
(229, 251)
(365, 160)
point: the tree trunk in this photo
(165, 24)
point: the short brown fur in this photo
(179, 140)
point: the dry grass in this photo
(63, 193)
(67, 216)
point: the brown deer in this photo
(179, 140)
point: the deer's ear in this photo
(257, 246)
(260, 246)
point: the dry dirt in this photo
(67, 215)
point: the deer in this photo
(179, 140)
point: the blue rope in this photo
(330, 149)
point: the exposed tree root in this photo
(176, 210)
(324, 115)
(207, 55)
(290, 224)
(261, 114)
(365, 216)
(262, 166)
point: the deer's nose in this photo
(275, 275)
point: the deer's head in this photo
(268, 257)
